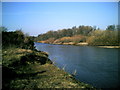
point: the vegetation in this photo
(91, 35)
(102, 38)
(31, 70)
(23, 67)
(16, 39)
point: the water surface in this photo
(95, 66)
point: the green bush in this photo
(17, 39)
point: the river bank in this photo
(109, 46)
(33, 69)
(79, 44)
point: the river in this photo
(93, 65)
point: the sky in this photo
(39, 17)
(60, 0)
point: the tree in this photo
(17, 39)
(111, 27)
(94, 28)
(118, 27)
(3, 29)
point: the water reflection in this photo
(96, 66)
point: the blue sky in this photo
(39, 17)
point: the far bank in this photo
(79, 44)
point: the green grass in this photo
(34, 73)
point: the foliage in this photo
(17, 39)
(18, 63)
(22, 70)
(81, 30)
(111, 27)
(102, 38)
(74, 39)
(50, 40)
(3, 29)
(91, 35)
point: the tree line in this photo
(89, 34)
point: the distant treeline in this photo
(16, 39)
(89, 34)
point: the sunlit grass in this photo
(32, 74)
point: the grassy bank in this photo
(82, 35)
(80, 44)
(27, 69)
(109, 46)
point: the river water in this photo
(93, 65)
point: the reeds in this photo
(74, 72)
